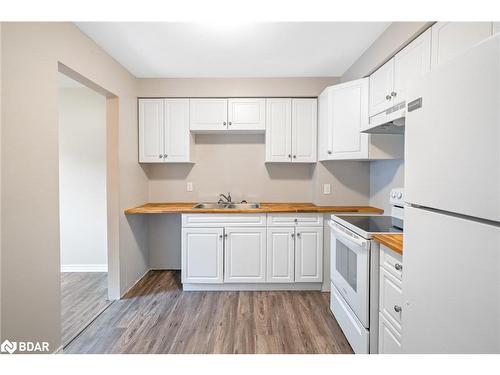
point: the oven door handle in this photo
(357, 241)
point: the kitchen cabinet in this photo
(247, 114)
(496, 27)
(245, 255)
(343, 112)
(389, 84)
(164, 131)
(202, 255)
(291, 130)
(208, 115)
(449, 39)
(390, 301)
(309, 254)
(222, 115)
(280, 255)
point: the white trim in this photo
(84, 268)
(252, 287)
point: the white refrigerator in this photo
(451, 278)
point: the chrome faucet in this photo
(223, 197)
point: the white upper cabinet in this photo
(411, 63)
(291, 130)
(449, 39)
(247, 114)
(151, 127)
(177, 139)
(304, 130)
(381, 86)
(343, 113)
(389, 83)
(208, 115)
(245, 255)
(279, 130)
(164, 131)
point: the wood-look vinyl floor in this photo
(158, 317)
(83, 296)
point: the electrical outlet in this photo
(189, 186)
(327, 189)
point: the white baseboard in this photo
(84, 268)
(251, 287)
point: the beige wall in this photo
(29, 195)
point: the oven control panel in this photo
(397, 197)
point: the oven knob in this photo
(393, 194)
(400, 195)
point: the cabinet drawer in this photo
(391, 261)
(218, 220)
(391, 298)
(286, 220)
(389, 340)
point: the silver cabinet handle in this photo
(295, 156)
(329, 152)
(296, 220)
(165, 156)
(398, 308)
(230, 123)
(398, 267)
(388, 97)
(225, 235)
(298, 235)
(220, 236)
(224, 123)
(290, 156)
(393, 93)
(293, 235)
(160, 156)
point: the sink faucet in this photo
(223, 197)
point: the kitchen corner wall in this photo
(235, 163)
(385, 174)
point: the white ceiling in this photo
(286, 49)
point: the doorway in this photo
(82, 206)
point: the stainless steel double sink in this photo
(228, 206)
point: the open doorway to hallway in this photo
(83, 206)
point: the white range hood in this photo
(391, 121)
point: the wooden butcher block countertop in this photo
(184, 208)
(392, 241)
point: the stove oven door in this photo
(349, 269)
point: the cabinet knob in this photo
(388, 97)
(393, 93)
(293, 235)
(295, 156)
(298, 235)
(224, 123)
(165, 156)
(230, 123)
(225, 235)
(296, 220)
(398, 267)
(398, 308)
(329, 152)
(290, 156)
(160, 156)
(220, 235)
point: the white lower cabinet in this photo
(245, 255)
(390, 302)
(241, 249)
(280, 255)
(309, 254)
(389, 340)
(202, 255)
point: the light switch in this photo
(189, 186)
(327, 188)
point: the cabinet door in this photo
(208, 114)
(309, 254)
(280, 255)
(247, 114)
(304, 130)
(496, 27)
(176, 131)
(449, 39)
(410, 64)
(381, 86)
(325, 125)
(278, 130)
(151, 121)
(202, 255)
(389, 340)
(349, 103)
(245, 255)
